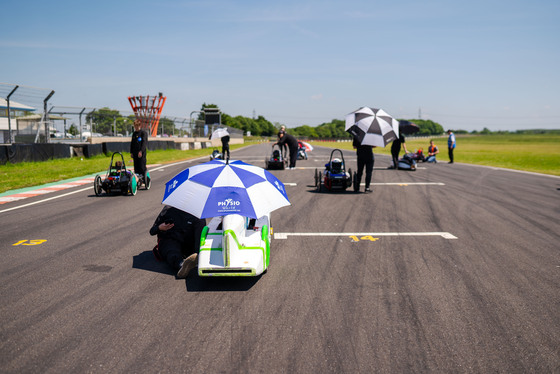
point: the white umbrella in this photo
(308, 147)
(218, 188)
(219, 133)
(372, 126)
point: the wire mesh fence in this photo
(27, 116)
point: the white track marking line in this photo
(407, 184)
(314, 167)
(284, 235)
(42, 201)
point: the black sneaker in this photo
(187, 265)
(368, 190)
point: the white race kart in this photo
(235, 246)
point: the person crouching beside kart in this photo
(178, 235)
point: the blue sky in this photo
(464, 64)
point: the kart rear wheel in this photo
(98, 186)
(148, 183)
(319, 185)
(349, 181)
(355, 182)
(316, 177)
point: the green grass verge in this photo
(539, 153)
(28, 174)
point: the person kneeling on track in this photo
(178, 235)
(432, 152)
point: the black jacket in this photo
(139, 142)
(290, 140)
(225, 140)
(187, 227)
(364, 152)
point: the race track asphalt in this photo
(448, 269)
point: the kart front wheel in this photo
(132, 186)
(98, 186)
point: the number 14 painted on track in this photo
(367, 237)
(30, 242)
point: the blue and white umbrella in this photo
(219, 188)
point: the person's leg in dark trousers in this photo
(450, 154)
(140, 165)
(395, 159)
(369, 171)
(293, 156)
(224, 150)
(170, 250)
(360, 171)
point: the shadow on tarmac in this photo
(147, 261)
(194, 283)
(217, 284)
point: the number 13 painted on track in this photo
(30, 242)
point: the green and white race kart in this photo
(235, 246)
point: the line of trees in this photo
(260, 126)
(108, 121)
(335, 129)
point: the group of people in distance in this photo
(366, 158)
(365, 154)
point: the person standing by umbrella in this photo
(396, 148)
(366, 160)
(451, 145)
(225, 146)
(370, 127)
(223, 134)
(138, 146)
(292, 143)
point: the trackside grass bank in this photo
(539, 153)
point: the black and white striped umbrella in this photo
(372, 126)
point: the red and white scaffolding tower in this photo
(147, 109)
